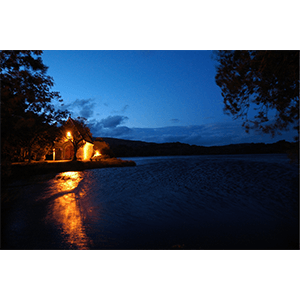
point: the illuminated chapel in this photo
(63, 147)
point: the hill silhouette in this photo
(128, 148)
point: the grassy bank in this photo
(24, 170)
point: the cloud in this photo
(113, 121)
(98, 130)
(184, 134)
(119, 131)
(214, 134)
(109, 127)
(158, 135)
(175, 120)
(124, 108)
(82, 107)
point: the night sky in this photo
(152, 96)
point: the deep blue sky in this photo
(153, 96)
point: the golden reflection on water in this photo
(66, 210)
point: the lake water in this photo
(187, 202)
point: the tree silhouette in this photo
(77, 132)
(103, 148)
(27, 115)
(267, 81)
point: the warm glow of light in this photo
(87, 151)
(97, 154)
(66, 211)
(70, 181)
(68, 134)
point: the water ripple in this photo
(213, 202)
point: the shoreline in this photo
(24, 170)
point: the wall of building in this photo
(85, 152)
(63, 152)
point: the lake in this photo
(185, 202)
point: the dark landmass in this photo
(24, 170)
(126, 148)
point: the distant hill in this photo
(127, 148)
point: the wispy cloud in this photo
(113, 121)
(124, 108)
(82, 107)
(109, 126)
(175, 120)
(202, 135)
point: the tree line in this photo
(29, 121)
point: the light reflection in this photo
(68, 181)
(66, 211)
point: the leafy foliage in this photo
(28, 119)
(103, 147)
(79, 133)
(266, 81)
